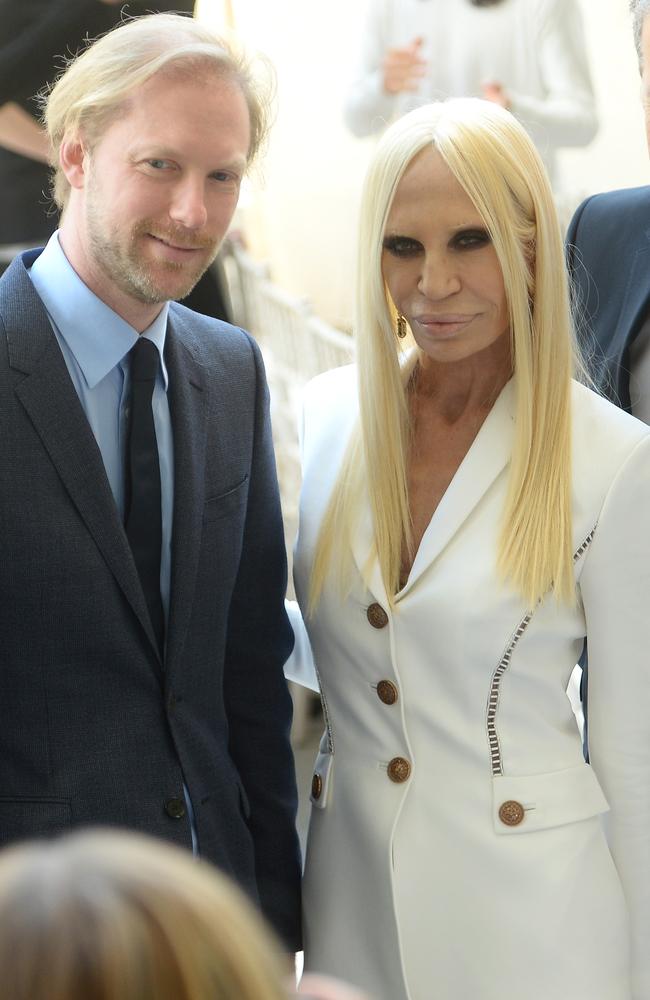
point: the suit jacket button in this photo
(377, 616)
(387, 692)
(175, 808)
(316, 786)
(399, 770)
(511, 813)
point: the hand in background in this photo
(494, 92)
(404, 68)
(314, 987)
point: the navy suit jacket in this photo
(94, 729)
(608, 252)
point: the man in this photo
(142, 627)
(608, 250)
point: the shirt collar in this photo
(98, 338)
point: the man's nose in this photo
(188, 206)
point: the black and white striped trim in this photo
(504, 663)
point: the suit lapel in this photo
(487, 457)
(51, 402)
(188, 408)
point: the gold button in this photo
(387, 692)
(316, 786)
(377, 616)
(399, 770)
(511, 813)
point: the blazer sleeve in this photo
(257, 699)
(615, 590)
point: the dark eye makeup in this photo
(468, 239)
(401, 246)
(464, 239)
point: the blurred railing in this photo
(296, 345)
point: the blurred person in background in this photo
(526, 55)
(36, 38)
(457, 541)
(105, 915)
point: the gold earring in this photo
(401, 326)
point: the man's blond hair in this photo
(95, 87)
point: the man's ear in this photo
(73, 158)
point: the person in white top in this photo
(527, 55)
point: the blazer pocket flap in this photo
(321, 779)
(26, 817)
(541, 801)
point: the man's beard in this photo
(126, 267)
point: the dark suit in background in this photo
(608, 252)
(93, 729)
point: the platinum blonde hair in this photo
(496, 163)
(95, 87)
(639, 10)
(123, 917)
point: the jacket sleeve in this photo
(257, 699)
(567, 113)
(615, 590)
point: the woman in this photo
(528, 55)
(116, 916)
(468, 517)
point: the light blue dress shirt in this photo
(95, 342)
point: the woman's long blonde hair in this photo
(118, 916)
(496, 163)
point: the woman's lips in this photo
(446, 324)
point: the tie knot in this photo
(144, 361)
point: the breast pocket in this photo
(228, 503)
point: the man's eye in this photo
(158, 164)
(402, 246)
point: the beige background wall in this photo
(301, 213)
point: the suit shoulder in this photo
(210, 340)
(604, 435)
(330, 406)
(622, 205)
(327, 384)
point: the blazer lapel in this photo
(188, 408)
(51, 402)
(487, 457)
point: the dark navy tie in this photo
(143, 512)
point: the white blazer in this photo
(459, 847)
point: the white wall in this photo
(302, 215)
